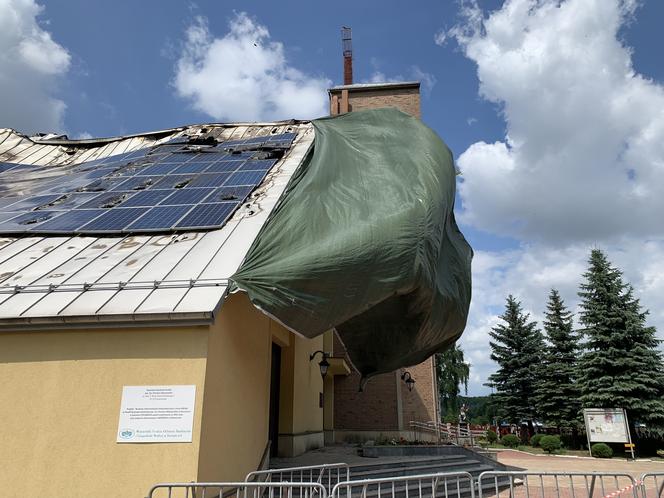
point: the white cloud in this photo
(245, 75)
(580, 165)
(31, 64)
(415, 73)
(582, 159)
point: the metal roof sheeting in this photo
(162, 279)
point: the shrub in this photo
(601, 450)
(569, 441)
(660, 453)
(510, 440)
(535, 440)
(550, 443)
(491, 436)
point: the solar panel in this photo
(209, 180)
(230, 193)
(23, 222)
(113, 220)
(191, 167)
(224, 166)
(107, 200)
(157, 169)
(147, 198)
(68, 221)
(30, 203)
(208, 215)
(256, 165)
(187, 196)
(245, 178)
(159, 218)
(180, 185)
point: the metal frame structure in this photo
(652, 485)
(440, 485)
(556, 484)
(327, 475)
(237, 490)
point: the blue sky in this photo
(546, 104)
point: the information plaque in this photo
(156, 414)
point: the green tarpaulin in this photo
(364, 241)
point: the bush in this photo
(550, 443)
(535, 440)
(491, 436)
(510, 441)
(660, 453)
(601, 450)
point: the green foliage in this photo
(622, 365)
(510, 441)
(550, 444)
(491, 436)
(452, 372)
(601, 450)
(558, 395)
(535, 440)
(660, 453)
(515, 347)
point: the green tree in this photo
(558, 394)
(515, 347)
(452, 372)
(622, 366)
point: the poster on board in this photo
(606, 425)
(156, 414)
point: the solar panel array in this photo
(176, 186)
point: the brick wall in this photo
(406, 99)
(420, 404)
(377, 408)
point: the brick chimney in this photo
(402, 95)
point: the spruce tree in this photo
(558, 395)
(622, 366)
(516, 347)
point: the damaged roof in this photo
(100, 232)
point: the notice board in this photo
(156, 414)
(606, 425)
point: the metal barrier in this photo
(328, 475)
(652, 485)
(441, 485)
(237, 490)
(558, 485)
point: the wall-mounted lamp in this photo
(324, 365)
(408, 379)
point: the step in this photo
(406, 462)
(430, 468)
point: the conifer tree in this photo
(558, 395)
(622, 366)
(516, 346)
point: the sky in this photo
(554, 110)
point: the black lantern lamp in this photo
(408, 379)
(324, 365)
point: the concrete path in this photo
(562, 463)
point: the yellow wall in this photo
(237, 392)
(61, 392)
(60, 405)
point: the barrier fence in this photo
(328, 475)
(333, 480)
(442, 485)
(237, 490)
(556, 485)
(652, 485)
